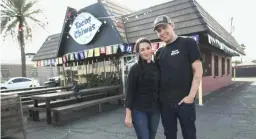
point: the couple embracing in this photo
(165, 87)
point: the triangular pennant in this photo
(103, 50)
(108, 50)
(64, 59)
(81, 55)
(35, 64)
(68, 57)
(44, 63)
(90, 53)
(52, 62)
(122, 48)
(85, 53)
(40, 63)
(60, 60)
(55, 62)
(76, 56)
(96, 51)
(71, 57)
(49, 62)
(129, 49)
(115, 48)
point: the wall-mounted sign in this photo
(84, 28)
(215, 42)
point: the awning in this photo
(218, 44)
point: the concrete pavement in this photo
(229, 113)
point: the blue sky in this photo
(221, 10)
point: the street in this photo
(229, 113)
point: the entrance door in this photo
(127, 62)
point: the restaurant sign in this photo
(84, 28)
(215, 42)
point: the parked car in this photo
(52, 82)
(19, 83)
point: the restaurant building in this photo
(97, 42)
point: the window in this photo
(25, 80)
(207, 62)
(17, 80)
(228, 66)
(223, 66)
(216, 66)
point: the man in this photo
(181, 71)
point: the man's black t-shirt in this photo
(175, 65)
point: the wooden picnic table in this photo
(53, 96)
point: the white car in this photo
(19, 83)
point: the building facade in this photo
(100, 39)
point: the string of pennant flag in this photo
(95, 52)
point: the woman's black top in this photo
(142, 87)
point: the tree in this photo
(18, 18)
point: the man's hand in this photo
(187, 99)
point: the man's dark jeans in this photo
(185, 113)
(145, 123)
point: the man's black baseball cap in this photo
(162, 20)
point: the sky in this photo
(220, 10)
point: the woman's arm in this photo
(131, 89)
(131, 86)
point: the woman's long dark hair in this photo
(137, 48)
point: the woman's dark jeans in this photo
(145, 123)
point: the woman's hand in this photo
(128, 121)
(128, 118)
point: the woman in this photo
(142, 93)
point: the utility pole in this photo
(231, 27)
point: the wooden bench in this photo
(26, 94)
(62, 102)
(59, 111)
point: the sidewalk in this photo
(228, 114)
